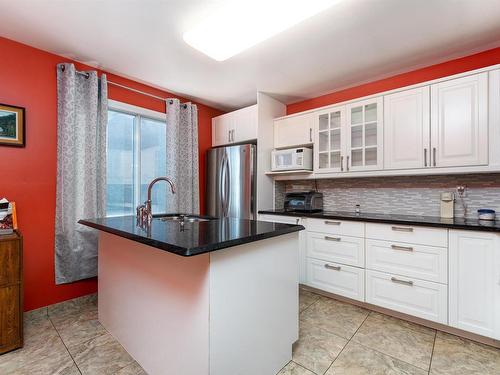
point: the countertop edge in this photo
(423, 223)
(188, 252)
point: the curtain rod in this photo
(87, 75)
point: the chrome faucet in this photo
(144, 212)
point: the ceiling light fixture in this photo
(242, 24)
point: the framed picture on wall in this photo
(12, 124)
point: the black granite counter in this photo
(192, 238)
(427, 221)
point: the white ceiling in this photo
(353, 42)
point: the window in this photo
(136, 154)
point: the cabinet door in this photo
(364, 135)
(407, 129)
(459, 123)
(221, 127)
(244, 124)
(329, 140)
(10, 323)
(293, 131)
(474, 285)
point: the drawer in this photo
(336, 278)
(414, 261)
(408, 234)
(346, 228)
(423, 299)
(335, 248)
(280, 219)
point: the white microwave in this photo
(292, 158)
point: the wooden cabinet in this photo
(11, 306)
(407, 129)
(459, 122)
(235, 127)
(474, 284)
(293, 131)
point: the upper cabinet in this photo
(235, 127)
(459, 122)
(329, 140)
(293, 131)
(407, 129)
(365, 135)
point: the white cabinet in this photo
(364, 135)
(235, 127)
(341, 249)
(459, 122)
(302, 238)
(293, 131)
(329, 140)
(474, 284)
(407, 129)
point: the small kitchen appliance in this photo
(447, 205)
(291, 159)
(486, 214)
(308, 201)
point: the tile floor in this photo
(335, 339)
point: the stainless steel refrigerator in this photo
(230, 188)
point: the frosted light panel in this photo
(239, 25)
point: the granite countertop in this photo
(427, 221)
(192, 238)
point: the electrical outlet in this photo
(462, 191)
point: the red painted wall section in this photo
(476, 61)
(28, 175)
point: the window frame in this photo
(138, 113)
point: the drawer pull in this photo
(402, 229)
(403, 248)
(328, 238)
(327, 222)
(330, 267)
(398, 281)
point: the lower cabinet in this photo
(474, 284)
(423, 299)
(336, 278)
(342, 249)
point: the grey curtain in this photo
(182, 156)
(81, 170)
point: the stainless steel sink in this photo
(182, 218)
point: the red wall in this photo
(28, 175)
(479, 60)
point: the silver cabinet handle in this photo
(425, 157)
(297, 221)
(328, 238)
(347, 163)
(402, 229)
(229, 135)
(330, 267)
(434, 155)
(310, 135)
(328, 222)
(403, 248)
(342, 164)
(398, 281)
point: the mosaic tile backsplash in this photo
(408, 195)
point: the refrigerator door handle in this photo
(222, 184)
(228, 187)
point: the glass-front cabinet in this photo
(365, 138)
(349, 138)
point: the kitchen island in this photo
(216, 297)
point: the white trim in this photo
(133, 109)
(437, 80)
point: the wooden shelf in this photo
(296, 171)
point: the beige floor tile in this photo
(79, 326)
(317, 348)
(40, 341)
(53, 365)
(100, 355)
(356, 359)
(73, 307)
(36, 314)
(132, 369)
(293, 368)
(334, 316)
(457, 356)
(306, 299)
(403, 340)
